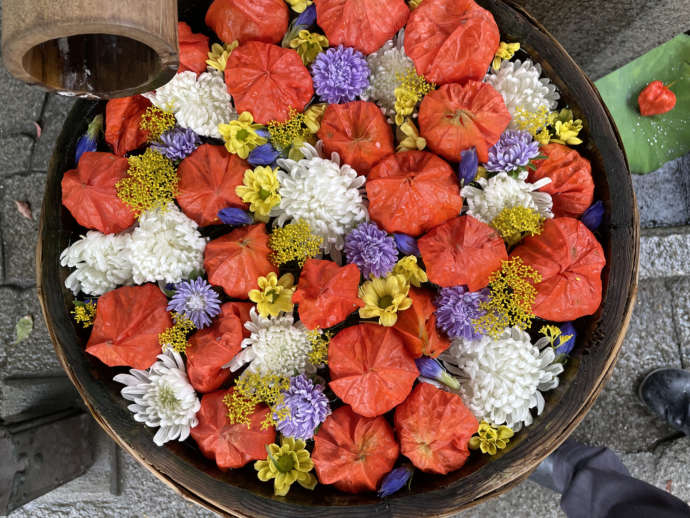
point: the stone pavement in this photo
(659, 334)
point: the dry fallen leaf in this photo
(24, 209)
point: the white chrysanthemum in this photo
(386, 66)
(521, 87)
(502, 378)
(503, 191)
(101, 262)
(166, 246)
(276, 345)
(163, 397)
(323, 193)
(199, 103)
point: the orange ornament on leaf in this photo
(193, 49)
(259, 20)
(417, 326)
(122, 119)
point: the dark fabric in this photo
(595, 484)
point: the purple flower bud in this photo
(89, 140)
(265, 154)
(395, 480)
(406, 244)
(432, 369)
(307, 17)
(467, 168)
(234, 216)
(263, 133)
(567, 328)
(593, 216)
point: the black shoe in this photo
(666, 392)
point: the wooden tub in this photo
(239, 492)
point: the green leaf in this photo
(650, 142)
(23, 328)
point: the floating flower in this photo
(456, 310)
(371, 249)
(323, 193)
(408, 137)
(490, 439)
(84, 313)
(199, 103)
(166, 246)
(513, 151)
(265, 154)
(235, 217)
(521, 86)
(151, 182)
(240, 135)
(175, 337)
(101, 263)
(260, 190)
(177, 143)
(536, 122)
(505, 51)
(155, 122)
(340, 74)
(290, 462)
(163, 397)
(196, 300)
(292, 133)
(566, 338)
(89, 140)
(252, 389)
(515, 222)
(413, 87)
(594, 215)
(408, 268)
(274, 295)
(309, 45)
(307, 408)
(277, 345)
(433, 370)
(219, 54)
(567, 132)
(293, 242)
(406, 244)
(502, 378)
(396, 479)
(384, 297)
(468, 166)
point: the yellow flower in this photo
(309, 45)
(151, 182)
(533, 121)
(253, 388)
(543, 137)
(219, 54)
(489, 439)
(290, 462)
(318, 356)
(384, 297)
(84, 313)
(481, 173)
(260, 189)
(413, 87)
(156, 122)
(299, 5)
(175, 337)
(414, 4)
(240, 135)
(512, 223)
(409, 138)
(293, 242)
(553, 332)
(567, 132)
(274, 295)
(291, 134)
(505, 51)
(407, 267)
(313, 116)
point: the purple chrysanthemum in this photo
(196, 300)
(513, 150)
(177, 144)
(371, 249)
(340, 74)
(308, 407)
(456, 308)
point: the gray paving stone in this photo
(681, 315)
(528, 500)
(19, 234)
(663, 195)
(35, 355)
(617, 419)
(56, 110)
(672, 471)
(25, 106)
(664, 252)
(15, 154)
(22, 394)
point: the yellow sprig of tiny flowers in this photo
(533, 122)
(293, 242)
(512, 223)
(219, 54)
(175, 337)
(156, 122)
(553, 333)
(84, 313)
(252, 389)
(413, 87)
(546, 126)
(298, 129)
(505, 51)
(151, 182)
(490, 439)
(318, 356)
(511, 297)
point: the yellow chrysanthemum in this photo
(274, 295)
(384, 297)
(240, 135)
(219, 54)
(408, 137)
(260, 189)
(567, 132)
(408, 268)
(489, 439)
(505, 51)
(309, 45)
(290, 462)
(299, 5)
(313, 116)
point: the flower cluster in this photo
(253, 388)
(175, 337)
(340, 75)
(84, 313)
(151, 182)
(412, 89)
(293, 242)
(156, 122)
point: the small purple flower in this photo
(467, 168)
(456, 308)
(265, 154)
(340, 74)
(235, 217)
(406, 244)
(395, 480)
(89, 140)
(196, 300)
(307, 17)
(594, 215)
(432, 369)
(177, 144)
(307, 405)
(513, 150)
(371, 249)
(567, 328)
